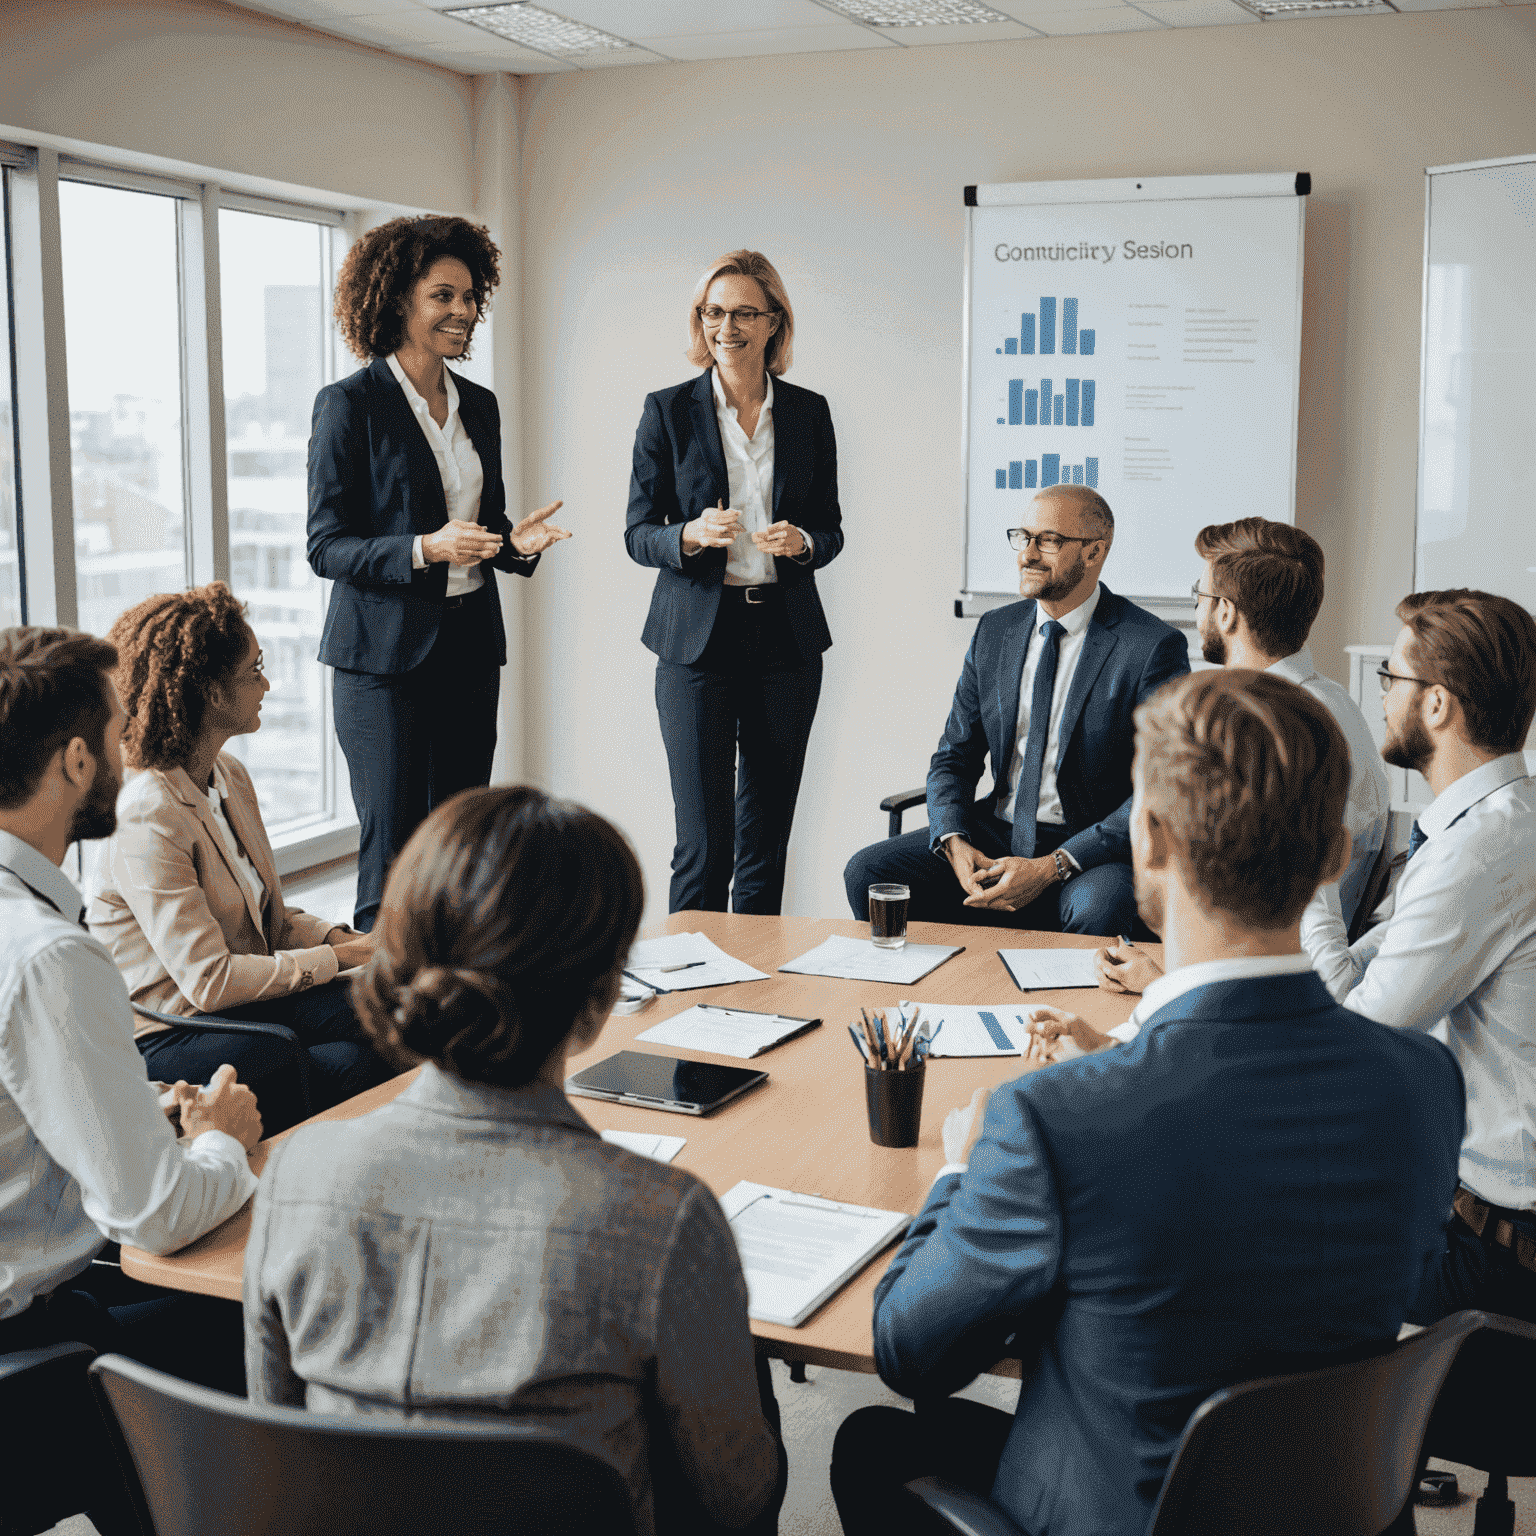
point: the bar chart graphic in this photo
(1074, 406)
(1047, 470)
(1038, 332)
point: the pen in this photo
(858, 1044)
(682, 965)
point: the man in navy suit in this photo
(1047, 692)
(1258, 1183)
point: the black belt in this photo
(753, 596)
(1495, 1223)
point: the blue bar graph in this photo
(1043, 408)
(1091, 471)
(1085, 343)
(1041, 328)
(1015, 402)
(1030, 474)
(1002, 479)
(1050, 469)
(1058, 412)
(1069, 325)
(1047, 325)
(1085, 415)
(1031, 479)
(1031, 406)
(1026, 333)
(1011, 345)
(1077, 474)
(1045, 402)
(1016, 475)
(1072, 396)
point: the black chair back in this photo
(47, 1422)
(214, 1465)
(1331, 1450)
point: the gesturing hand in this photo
(716, 529)
(1124, 968)
(536, 533)
(780, 539)
(460, 543)
(1055, 1035)
(962, 1127)
(224, 1105)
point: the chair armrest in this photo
(72, 1357)
(972, 1514)
(203, 1022)
(902, 800)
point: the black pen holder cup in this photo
(895, 1104)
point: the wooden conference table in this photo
(805, 1129)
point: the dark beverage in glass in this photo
(888, 915)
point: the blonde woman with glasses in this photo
(734, 500)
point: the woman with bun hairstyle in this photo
(474, 1248)
(408, 517)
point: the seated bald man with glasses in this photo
(1047, 693)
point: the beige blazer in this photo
(180, 922)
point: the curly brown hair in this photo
(170, 648)
(379, 272)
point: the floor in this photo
(813, 1411)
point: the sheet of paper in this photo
(707, 964)
(999, 1031)
(723, 1031)
(1041, 969)
(860, 960)
(797, 1250)
(662, 1148)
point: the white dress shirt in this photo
(1069, 649)
(249, 877)
(457, 463)
(85, 1153)
(1325, 923)
(1457, 959)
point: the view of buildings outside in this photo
(122, 325)
(274, 276)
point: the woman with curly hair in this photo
(186, 894)
(408, 517)
(474, 1249)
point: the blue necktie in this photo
(1416, 839)
(1027, 801)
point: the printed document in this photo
(734, 1032)
(860, 960)
(661, 1148)
(1038, 970)
(680, 962)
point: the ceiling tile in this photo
(418, 27)
(1201, 13)
(370, 7)
(1119, 18)
(1447, 5)
(737, 45)
(612, 58)
(683, 18)
(527, 63)
(1027, 10)
(966, 32)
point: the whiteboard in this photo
(1477, 408)
(1142, 337)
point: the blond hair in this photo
(781, 345)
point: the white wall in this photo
(847, 170)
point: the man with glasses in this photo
(1047, 693)
(1261, 588)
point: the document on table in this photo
(679, 962)
(737, 1032)
(797, 1250)
(861, 960)
(999, 1031)
(662, 1148)
(1038, 970)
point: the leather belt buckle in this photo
(754, 596)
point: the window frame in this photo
(44, 473)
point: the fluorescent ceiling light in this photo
(916, 13)
(1274, 10)
(543, 30)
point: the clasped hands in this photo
(998, 885)
(717, 529)
(464, 543)
(1056, 1035)
(224, 1105)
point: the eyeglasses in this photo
(259, 665)
(1388, 678)
(712, 314)
(1048, 543)
(1197, 592)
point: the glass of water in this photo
(888, 915)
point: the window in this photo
(275, 281)
(122, 323)
(11, 611)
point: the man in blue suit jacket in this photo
(1259, 1182)
(1047, 692)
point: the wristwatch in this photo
(1064, 870)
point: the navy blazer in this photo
(373, 486)
(1260, 1180)
(1127, 656)
(679, 474)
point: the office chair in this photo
(208, 1464)
(1331, 1450)
(45, 1403)
(895, 806)
(213, 1023)
(1485, 1416)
